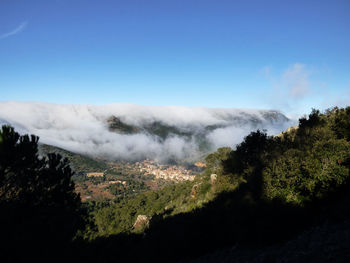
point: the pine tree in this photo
(38, 204)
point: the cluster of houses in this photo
(95, 174)
(166, 172)
(147, 167)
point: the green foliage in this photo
(79, 163)
(266, 190)
(128, 190)
(340, 122)
(302, 166)
(227, 183)
(37, 198)
(121, 216)
(314, 164)
(214, 160)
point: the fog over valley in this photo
(133, 132)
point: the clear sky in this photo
(287, 55)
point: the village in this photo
(176, 173)
(149, 169)
(132, 177)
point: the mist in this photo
(84, 129)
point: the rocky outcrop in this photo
(194, 191)
(213, 178)
(141, 223)
(290, 130)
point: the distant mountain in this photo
(132, 132)
(164, 130)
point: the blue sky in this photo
(287, 55)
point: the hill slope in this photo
(267, 191)
(79, 163)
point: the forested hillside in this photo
(265, 192)
(268, 194)
(78, 162)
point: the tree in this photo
(249, 159)
(37, 199)
(215, 159)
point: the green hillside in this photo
(267, 191)
(272, 199)
(78, 162)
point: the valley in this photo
(125, 179)
(109, 181)
(264, 192)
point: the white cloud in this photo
(290, 89)
(17, 30)
(84, 129)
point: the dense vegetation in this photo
(79, 163)
(268, 190)
(38, 205)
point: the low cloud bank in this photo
(84, 128)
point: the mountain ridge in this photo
(132, 132)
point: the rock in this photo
(290, 130)
(141, 223)
(195, 190)
(213, 178)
